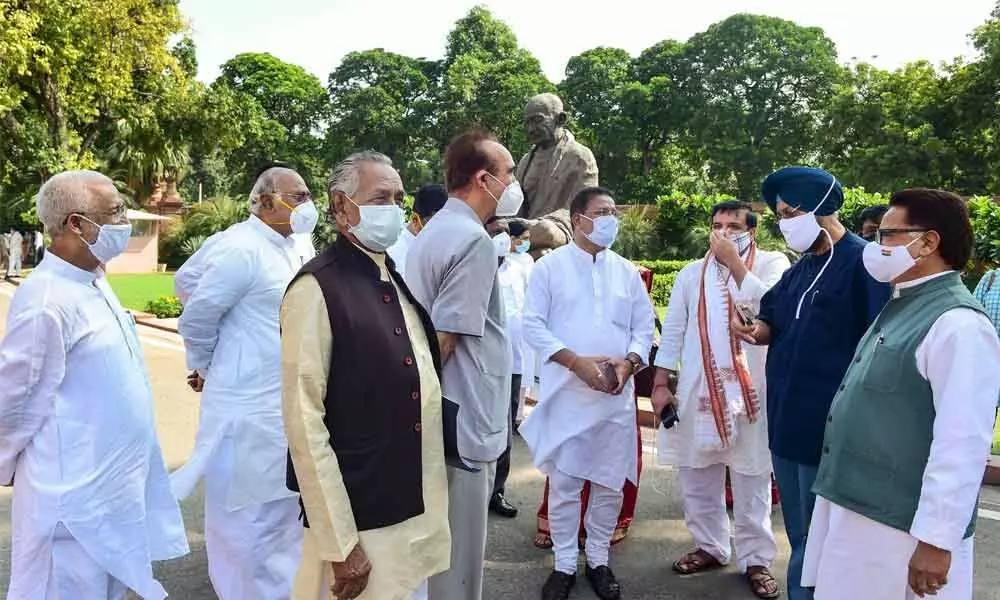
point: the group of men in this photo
(357, 408)
(15, 246)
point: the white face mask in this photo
(802, 231)
(510, 200)
(605, 230)
(742, 241)
(888, 263)
(111, 240)
(501, 242)
(379, 226)
(304, 217)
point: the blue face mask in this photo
(522, 247)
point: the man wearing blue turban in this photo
(812, 320)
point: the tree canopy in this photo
(111, 84)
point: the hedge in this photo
(664, 275)
(662, 267)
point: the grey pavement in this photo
(515, 569)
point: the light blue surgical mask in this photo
(522, 247)
(111, 240)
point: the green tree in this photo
(486, 78)
(294, 106)
(756, 85)
(383, 101)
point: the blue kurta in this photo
(808, 356)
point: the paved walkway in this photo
(515, 570)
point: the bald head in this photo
(74, 192)
(275, 182)
(544, 119)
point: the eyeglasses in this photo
(883, 233)
(295, 197)
(603, 212)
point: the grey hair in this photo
(550, 101)
(67, 193)
(345, 175)
(267, 185)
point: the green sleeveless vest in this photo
(880, 427)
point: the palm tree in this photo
(141, 158)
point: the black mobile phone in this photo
(668, 416)
(746, 314)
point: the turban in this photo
(803, 188)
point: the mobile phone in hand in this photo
(668, 416)
(609, 375)
(746, 314)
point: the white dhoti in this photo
(849, 556)
(704, 497)
(74, 574)
(254, 550)
(564, 520)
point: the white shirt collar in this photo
(263, 229)
(916, 282)
(51, 262)
(580, 253)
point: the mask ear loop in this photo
(798, 310)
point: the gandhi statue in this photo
(556, 168)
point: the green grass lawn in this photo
(135, 290)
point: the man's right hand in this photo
(350, 577)
(661, 398)
(587, 369)
(758, 334)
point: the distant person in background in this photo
(15, 251)
(4, 254)
(231, 333)
(869, 220)
(988, 293)
(513, 275)
(426, 203)
(39, 243)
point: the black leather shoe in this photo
(500, 506)
(603, 582)
(558, 586)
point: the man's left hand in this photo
(623, 368)
(929, 568)
(724, 249)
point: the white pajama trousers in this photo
(564, 521)
(704, 497)
(253, 552)
(73, 574)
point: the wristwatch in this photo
(635, 362)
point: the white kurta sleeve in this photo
(643, 321)
(754, 286)
(534, 322)
(960, 358)
(32, 366)
(674, 326)
(226, 280)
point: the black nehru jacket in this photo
(373, 391)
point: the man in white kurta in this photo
(704, 442)
(586, 306)
(231, 333)
(926, 378)
(14, 241)
(92, 505)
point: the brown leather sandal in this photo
(696, 562)
(762, 583)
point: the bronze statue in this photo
(557, 167)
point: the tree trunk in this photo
(54, 114)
